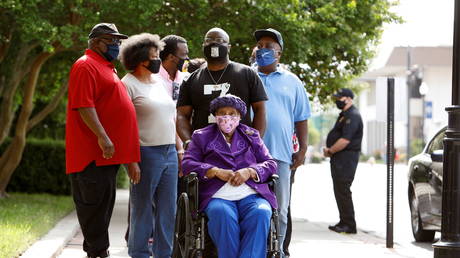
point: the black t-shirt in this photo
(349, 125)
(199, 90)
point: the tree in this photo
(31, 33)
(326, 42)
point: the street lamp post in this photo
(449, 244)
(423, 90)
(408, 154)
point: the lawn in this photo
(26, 217)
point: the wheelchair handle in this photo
(190, 177)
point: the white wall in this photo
(439, 81)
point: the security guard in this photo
(343, 146)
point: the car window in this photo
(437, 143)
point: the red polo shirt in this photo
(94, 83)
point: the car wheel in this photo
(419, 233)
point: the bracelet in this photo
(180, 152)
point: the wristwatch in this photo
(185, 144)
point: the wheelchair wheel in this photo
(273, 246)
(182, 229)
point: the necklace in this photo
(212, 78)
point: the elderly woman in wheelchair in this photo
(233, 166)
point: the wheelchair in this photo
(190, 233)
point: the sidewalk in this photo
(313, 239)
(310, 239)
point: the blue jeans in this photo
(157, 187)
(283, 194)
(239, 228)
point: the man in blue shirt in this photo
(287, 108)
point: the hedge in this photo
(42, 169)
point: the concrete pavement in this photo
(313, 210)
(313, 200)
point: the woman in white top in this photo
(156, 183)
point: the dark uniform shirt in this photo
(349, 125)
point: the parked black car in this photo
(425, 189)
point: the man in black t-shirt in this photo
(220, 77)
(343, 146)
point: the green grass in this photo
(26, 217)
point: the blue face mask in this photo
(265, 56)
(112, 52)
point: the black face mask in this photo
(154, 65)
(340, 104)
(215, 52)
(181, 63)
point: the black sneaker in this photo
(102, 254)
(331, 227)
(344, 229)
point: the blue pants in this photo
(157, 187)
(283, 194)
(239, 228)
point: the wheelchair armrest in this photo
(191, 177)
(272, 182)
(191, 188)
(275, 177)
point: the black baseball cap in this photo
(105, 28)
(272, 33)
(344, 92)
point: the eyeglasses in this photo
(215, 40)
(116, 41)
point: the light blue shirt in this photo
(287, 103)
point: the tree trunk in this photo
(49, 108)
(9, 161)
(13, 154)
(20, 70)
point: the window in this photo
(437, 143)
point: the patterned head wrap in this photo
(228, 100)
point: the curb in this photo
(51, 245)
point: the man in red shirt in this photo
(101, 134)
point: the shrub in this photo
(314, 135)
(317, 157)
(42, 169)
(363, 157)
(416, 146)
(122, 178)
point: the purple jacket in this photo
(209, 149)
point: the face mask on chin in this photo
(215, 52)
(112, 52)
